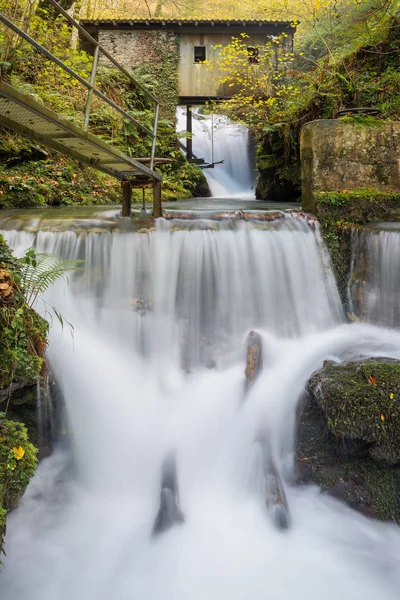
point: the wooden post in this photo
(126, 198)
(189, 129)
(157, 207)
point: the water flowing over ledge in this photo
(157, 363)
(374, 285)
(203, 288)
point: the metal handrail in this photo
(92, 90)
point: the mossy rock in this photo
(342, 467)
(18, 459)
(361, 401)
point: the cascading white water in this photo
(216, 138)
(145, 306)
(375, 276)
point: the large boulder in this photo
(349, 434)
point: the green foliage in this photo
(358, 206)
(362, 120)
(23, 333)
(57, 181)
(37, 272)
(18, 459)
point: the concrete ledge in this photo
(353, 153)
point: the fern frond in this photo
(40, 271)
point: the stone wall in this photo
(349, 154)
(157, 52)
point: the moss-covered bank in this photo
(18, 459)
(32, 177)
(23, 338)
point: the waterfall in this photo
(156, 366)
(216, 138)
(374, 283)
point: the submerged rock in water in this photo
(275, 497)
(169, 512)
(349, 435)
(254, 361)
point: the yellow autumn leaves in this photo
(6, 287)
(373, 380)
(16, 453)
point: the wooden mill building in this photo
(138, 41)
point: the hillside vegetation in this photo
(346, 54)
(31, 177)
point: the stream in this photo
(155, 365)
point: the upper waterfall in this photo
(216, 138)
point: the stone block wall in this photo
(157, 51)
(135, 48)
(340, 155)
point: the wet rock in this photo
(275, 497)
(141, 305)
(254, 361)
(275, 500)
(169, 513)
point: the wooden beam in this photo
(157, 203)
(189, 129)
(126, 198)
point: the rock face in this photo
(349, 154)
(278, 174)
(349, 434)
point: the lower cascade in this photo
(175, 476)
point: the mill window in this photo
(199, 54)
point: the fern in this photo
(40, 271)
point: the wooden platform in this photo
(23, 115)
